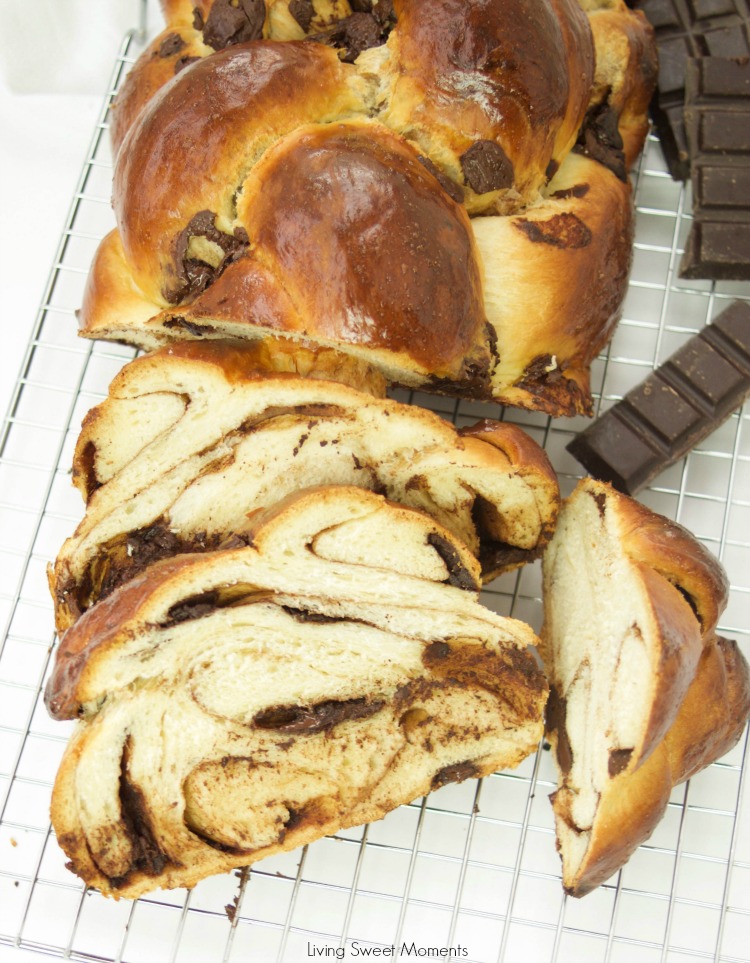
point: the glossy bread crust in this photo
(331, 191)
(710, 722)
(644, 694)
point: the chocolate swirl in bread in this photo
(195, 438)
(247, 701)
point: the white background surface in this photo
(56, 57)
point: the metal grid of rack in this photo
(472, 868)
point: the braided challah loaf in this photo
(246, 701)
(642, 692)
(437, 187)
(196, 437)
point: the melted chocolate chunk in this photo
(171, 45)
(316, 718)
(382, 11)
(142, 547)
(487, 167)
(564, 230)
(295, 818)
(453, 190)
(198, 21)
(455, 773)
(235, 22)
(193, 275)
(303, 12)
(436, 650)
(618, 761)
(124, 558)
(541, 368)
(552, 168)
(557, 707)
(599, 139)
(458, 574)
(359, 31)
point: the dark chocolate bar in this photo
(684, 29)
(717, 119)
(674, 408)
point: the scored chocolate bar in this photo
(684, 29)
(717, 118)
(674, 408)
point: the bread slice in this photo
(242, 702)
(642, 692)
(196, 437)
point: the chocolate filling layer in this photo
(315, 718)
(458, 574)
(618, 760)
(455, 773)
(147, 856)
(555, 720)
(564, 230)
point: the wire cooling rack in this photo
(472, 869)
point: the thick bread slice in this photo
(642, 692)
(242, 702)
(196, 437)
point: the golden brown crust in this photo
(460, 80)
(112, 303)
(209, 118)
(673, 552)
(305, 202)
(554, 281)
(714, 713)
(711, 720)
(626, 68)
(220, 236)
(680, 647)
(101, 626)
(519, 448)
(692, 690)
(173, 50)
